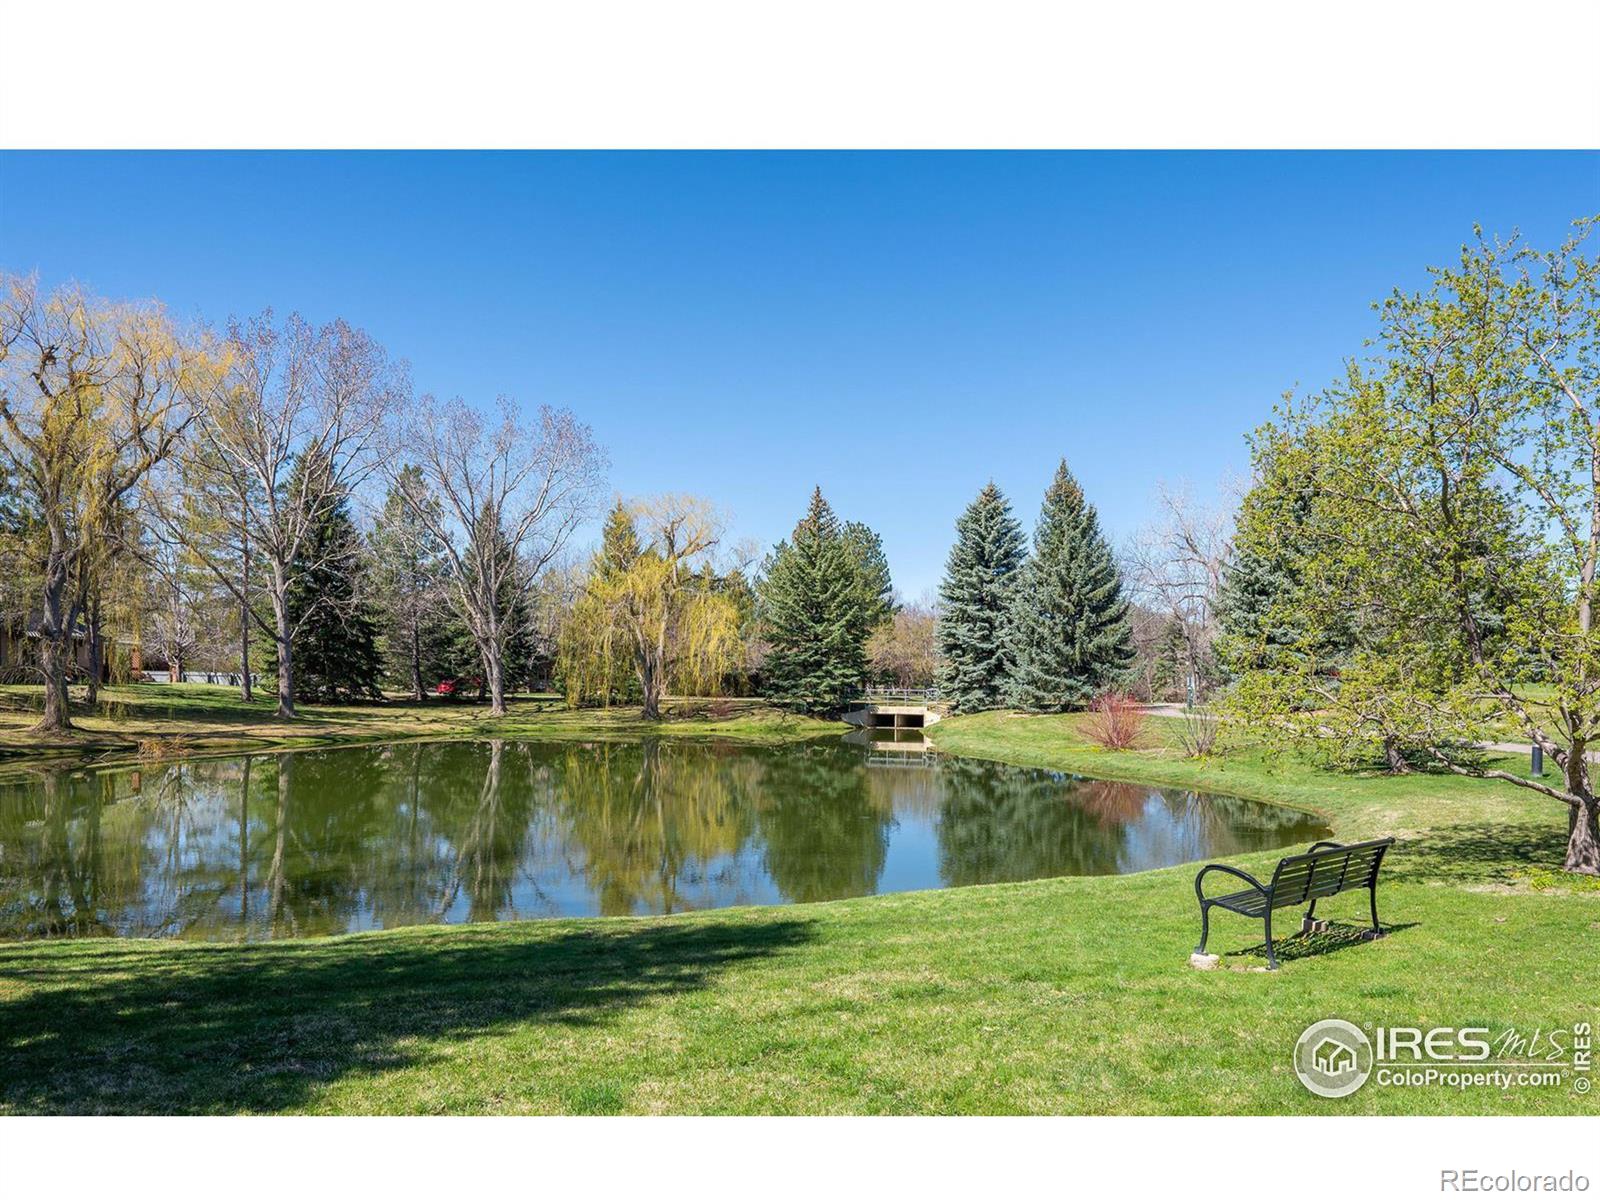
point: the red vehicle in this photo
(457, 687)
(445, 687)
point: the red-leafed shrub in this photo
(1115, 721)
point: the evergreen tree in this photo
(811, 604)
(1069, 632)
(1261, 612)
(333, 626)
(409, 577)
(975, 603)
(1170, 670)
(619, 542)
(874, 590)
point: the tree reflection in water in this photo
(324, 841)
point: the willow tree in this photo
(92, 396)
(653, 593)
(1452, 533)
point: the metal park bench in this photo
(1324, 870)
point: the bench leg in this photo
(1205, 927)
(1377, 930)
(1308, 923)
(1272, 959)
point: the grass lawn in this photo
(196, 718)
(1059, 996)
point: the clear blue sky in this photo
(896, 327)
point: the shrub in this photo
(1199, 732)
(1115, 722)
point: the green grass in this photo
(197, 718)
(1059, 996)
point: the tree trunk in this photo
(96, 652)
(497, 684)
(56, 718)
(650, 685)
(285, 676)
(246, 691)
(1395, 760)
(284, 646)
(54, 647)
(1583, 838)
(416, 659)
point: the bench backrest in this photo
(1301, 878)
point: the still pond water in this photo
(315, 842)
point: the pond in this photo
(327, 841)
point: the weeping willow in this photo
(649, 620)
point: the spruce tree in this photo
(975, 603)
(334, 628)
(874, 589)
(811, 604)
(408, 573)
(1069, 632)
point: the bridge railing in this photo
(908, 694)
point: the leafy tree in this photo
(651, 597)
(1454, 530)
(1069, 633)
(975, 602)
(92, 397)
(816, 613)
(904, 652)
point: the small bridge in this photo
(897, 708)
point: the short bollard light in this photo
(1537, 755)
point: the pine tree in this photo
(975, 603)
(1069, 631)
(811, 603)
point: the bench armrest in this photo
(1204, 871)
(1325, 846)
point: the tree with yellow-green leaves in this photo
(1432, 527)
(651, 602)
(92, 396)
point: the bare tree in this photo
(905, 650)
(1175, 568)
(92, 396)
(174, 617)
(503, 497)
(291, 427)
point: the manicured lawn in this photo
(1059, 996)
(197, 718)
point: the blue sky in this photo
(897, 327)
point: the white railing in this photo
(888, 693)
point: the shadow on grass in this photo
(1478, 853)
(1336, 937)
(222, 1029)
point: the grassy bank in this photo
(196, 718)
(1058, 996)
